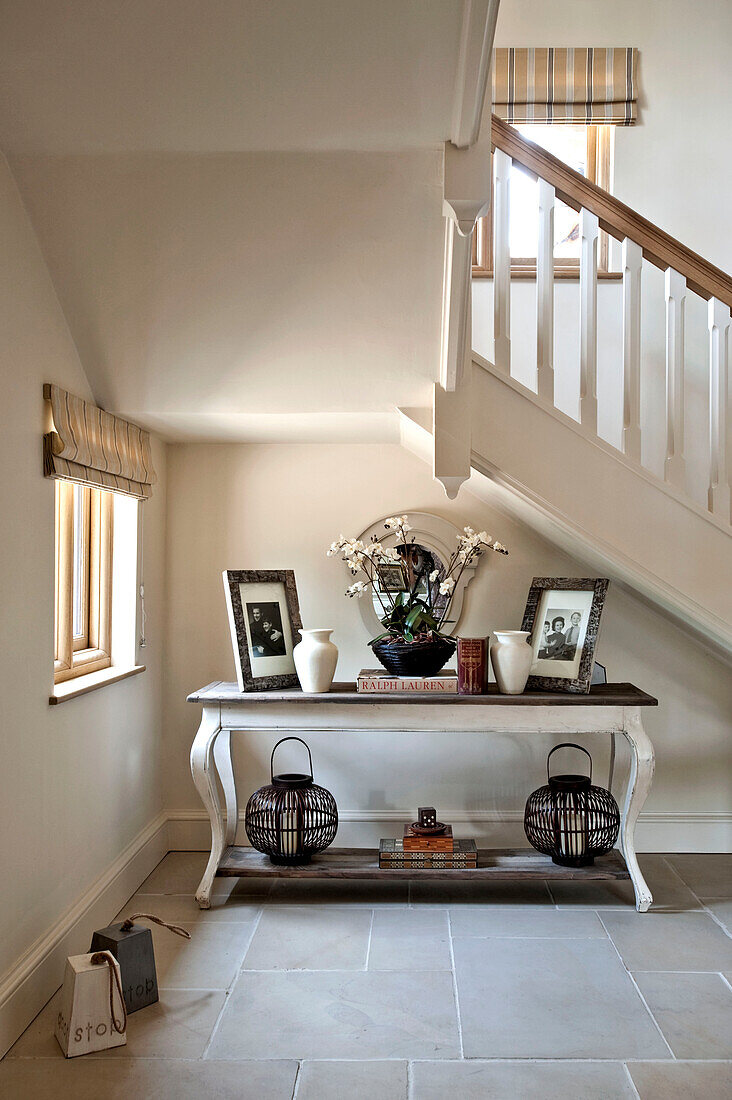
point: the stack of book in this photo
(403, 853)
(377, 681)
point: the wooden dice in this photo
(84, 1022)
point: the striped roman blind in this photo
(93, 447)
(587, 84)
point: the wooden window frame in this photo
(91, 650)
(599, 162)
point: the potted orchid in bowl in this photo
(414, 597)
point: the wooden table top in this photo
(601, 695)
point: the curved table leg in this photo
(203, 770)
(641, 775)
(222, 757)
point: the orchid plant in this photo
(421, 609)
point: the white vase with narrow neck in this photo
(315, 660)
(511, 657)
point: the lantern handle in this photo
(568, 745)
(274, 750)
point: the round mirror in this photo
(433, 545)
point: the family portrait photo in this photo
(560, 636)
(265, 630)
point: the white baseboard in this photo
(32, 981)
(189, 830)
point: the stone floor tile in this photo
(456, 892)
(669, 941)
(682, 1080)
(178, 1026)
(709, 875)
(410, 939)
(669, 892)
(91, 1078)
(694, 1012)
(209, 960)
(364, 893)
(183, 908)
(537, 922)
(313, 937)
(355, 1080)
(473, 1080)
(722, 910)
(331, 1014)
(543, 998)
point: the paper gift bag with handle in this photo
(92, 1013)
(132, 947)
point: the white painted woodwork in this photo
(231, 708)
(589, 230)
(455, 340)
(451, 436)
(501, 262)
(545, 294)
(84, 1022)
(675, 466)
(720, 444)
(222, 754)
(473, 69)
(632, 263)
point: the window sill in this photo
(82, 685)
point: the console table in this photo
(607, 709)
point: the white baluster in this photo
(720, 445)
(502, 262)
(632, 261)
(589, 230)
(545, 294)
(675, 466)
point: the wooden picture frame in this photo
(563, 651)
(264, 620)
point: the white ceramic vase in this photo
(511, 657)
(315, 660)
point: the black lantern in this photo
(569, 819)
(292, 817)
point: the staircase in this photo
(610, 482)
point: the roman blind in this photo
(93, 447)
(588, 84)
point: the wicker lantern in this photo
(569, 819)
(292, 817)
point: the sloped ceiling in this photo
(101, 76)
(239, 202)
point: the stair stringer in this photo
(492, 482)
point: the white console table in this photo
(608, 709)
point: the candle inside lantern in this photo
(572, 833)
(289, 840)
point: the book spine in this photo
(472, 662)
(384, 684)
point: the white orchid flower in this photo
(447, 586)
(434, 575)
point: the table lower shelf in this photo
(363, 863)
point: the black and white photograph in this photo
(264, 619)
(265, 629)
(563, 617)
(392, 578)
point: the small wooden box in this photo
(133, 950)
(84, 1022)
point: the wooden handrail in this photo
(615, 217)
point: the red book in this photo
(472, 665)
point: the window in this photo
(83, 622)
(587, 149)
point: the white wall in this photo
(81, 780)
(278, 506)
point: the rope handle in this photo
(176, 928)
(108, 958)
(568, 745)
(280, 742)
